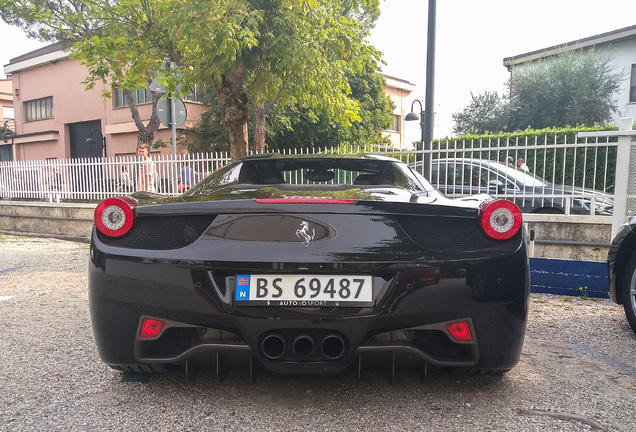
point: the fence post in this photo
(622, 178)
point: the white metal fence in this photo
(586, 166)
(99, 178)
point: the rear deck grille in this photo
(163, 232)
(445, 234)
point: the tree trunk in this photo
(260, 113)
(235, 112)
(146, 133)
(259, 129)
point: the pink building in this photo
(6, 117)
(6, 101)
(399, 91)
(55, 114)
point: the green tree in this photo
(208, 134)
(576, 87)
(264, 52)
(254, 53)
(106, 39)
(487, 112)
(304, 127)
(572, 88)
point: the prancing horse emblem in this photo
(304, 232)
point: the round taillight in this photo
(115, 217)
(500, 219)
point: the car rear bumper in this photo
(413, 302)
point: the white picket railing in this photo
(588, 163)
(97, 178)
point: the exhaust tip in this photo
(273, 346)
(332, 346)
(303, 345)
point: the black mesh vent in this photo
(447, 234)
(163, 232)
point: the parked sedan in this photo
(308, 265)
(622, 270)
(463, 176)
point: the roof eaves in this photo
(600, 39)
(399, 83)
(49, 53)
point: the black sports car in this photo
(622, 270)
(309, 265)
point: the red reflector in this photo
(460, 331)
(150, 328)
(304, 201)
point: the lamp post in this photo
(91, 141)
(427, 113)
(412, 116)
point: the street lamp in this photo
(91, 141)
(412, 116)
(427, 113)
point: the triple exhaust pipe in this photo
(303, 346)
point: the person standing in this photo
(146, 171)
(187, 175)
(521, 164)
(55, 185)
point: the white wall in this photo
(625, 56)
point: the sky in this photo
(472, 39)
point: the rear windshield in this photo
(314, 173)
(336, 171)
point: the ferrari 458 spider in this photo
(309, 265)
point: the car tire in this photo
(629, 291)
(143, 368)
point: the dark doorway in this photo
(85, 177)
(7, 130)
(6, 152)
(79, 133)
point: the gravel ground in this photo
(577, 372)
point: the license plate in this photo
(304, 290)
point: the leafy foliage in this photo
(254, 53)
(302, 127)
(572, 88)
(105, 36)
(291, 52)
(208, 134)
(576, 87)
(486, 112)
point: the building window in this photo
(395, 126)
(39, 109)
(632, 85)
(196, 94)
(8, 113)
(140, 96)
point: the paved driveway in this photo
(577, 373)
